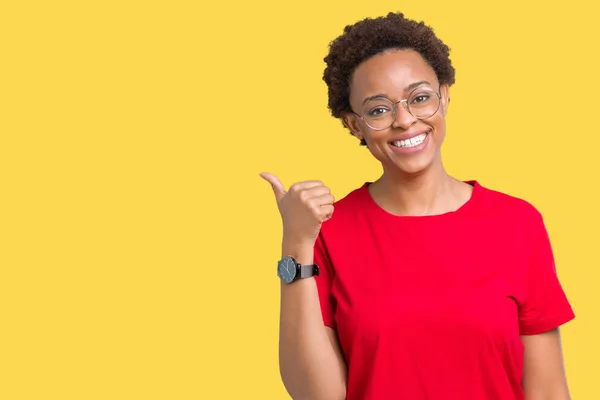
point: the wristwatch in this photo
(290, 270)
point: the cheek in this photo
(439, 126)
(377, 144)
(376, 139)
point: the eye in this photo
(420, 98)
(377, 111)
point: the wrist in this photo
(303, 252)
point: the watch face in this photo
(286, 269)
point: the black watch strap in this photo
(306, 271)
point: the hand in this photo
(303, 208)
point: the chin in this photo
(414, 164)
(414, 167)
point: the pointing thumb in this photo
(276, 184)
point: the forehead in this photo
(390, 73)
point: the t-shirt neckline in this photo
(469, 204)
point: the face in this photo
(395, 75)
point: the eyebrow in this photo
(406, 89)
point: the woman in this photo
(420, 286)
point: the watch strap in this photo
(306, 271)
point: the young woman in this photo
(419, 286)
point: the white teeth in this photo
(412, 142)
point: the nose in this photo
(404, 119)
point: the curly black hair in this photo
(372, 36)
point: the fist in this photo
(303, 208)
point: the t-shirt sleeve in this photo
(324, 282)
(545, 305)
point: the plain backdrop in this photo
(138, 245)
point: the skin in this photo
(411, 184)
(543, 373)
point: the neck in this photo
(429, 192)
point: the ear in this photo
(350, 121)
(445, 94)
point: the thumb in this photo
(275, 184)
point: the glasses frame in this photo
(406, 106)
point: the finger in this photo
(313, 192)
(299, 186)
(276, 184)
(326, 212)
(322, 200)
(322, 207)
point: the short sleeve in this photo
(324, 282)
(545, 305)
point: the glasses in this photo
(380, 113)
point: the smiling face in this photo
(410, 145)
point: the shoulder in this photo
(509, 207)
(350, 201)
(511, 226)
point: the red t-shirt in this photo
(432, 307)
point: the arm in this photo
(543, 309)
(310, 360)
(543, 373)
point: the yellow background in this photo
(138, 244)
